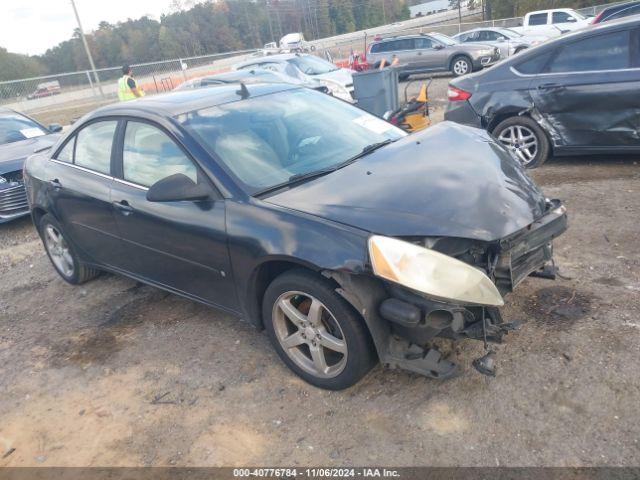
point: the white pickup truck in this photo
(552, 22)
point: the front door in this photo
(183, 244)
(589, 92)
(80, 183)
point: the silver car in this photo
(508, 41)
(432, 52)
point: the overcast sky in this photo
(32, 26)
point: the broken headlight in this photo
(431, 272)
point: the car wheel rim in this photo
(521, 141)
(460, 67)
(59, 250)
(309, 334)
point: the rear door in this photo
(183, 244)
(80, 180)
(588, 92)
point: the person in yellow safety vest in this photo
(128, 88)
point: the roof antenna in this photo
(243, 92)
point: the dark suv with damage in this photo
(575, 95)
(347, 239)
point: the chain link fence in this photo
(63, 97)
(83, 89)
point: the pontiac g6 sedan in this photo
(347, 240)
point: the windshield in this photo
(578, 15)
(443, 38)
(312, 65)
(507, 32)
(264, 141)
(15, 128)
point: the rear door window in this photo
(404, 44)
(538, 19)
(602, 52)
(93, 146)
(534, 65)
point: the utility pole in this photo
(86, 48)
(384, 13)
(459, 14)
(273, 39)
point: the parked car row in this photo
(576, 94)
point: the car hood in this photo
(13, 155)
(449, 180)
(342, 76)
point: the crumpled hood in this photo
(13, 155)
(449, 180)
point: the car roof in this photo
(175, 103)
(620, 6)
(552, 10)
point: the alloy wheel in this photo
(461, 67)
(309, 334)
(521, 141)
(59, 250)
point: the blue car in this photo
(20, 136)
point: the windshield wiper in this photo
(299, 177)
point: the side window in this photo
(66, 154)
(404, 44)
(93, 146)
(423, 43)
(602, 52)
(538, 19)
(463, 38)
(561, 17)
(489, 36)
(149, 155)
(375, 48)
(534, 65)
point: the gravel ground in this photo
(116, 373)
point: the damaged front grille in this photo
(13, 196)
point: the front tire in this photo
(316, 333)
(461, 65)
(525, 139)
(62, 254)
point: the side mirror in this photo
(571, 20)
(176, 188)
(55, 128)
(438, 46)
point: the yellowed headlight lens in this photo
(431, 272)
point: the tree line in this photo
(209, 27)
(215, 26)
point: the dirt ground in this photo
(113, 373)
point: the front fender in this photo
(259, 233)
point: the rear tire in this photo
(62, 253)
(515, 133)
(316, 333)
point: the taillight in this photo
(456, 94)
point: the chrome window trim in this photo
(84, 169)
(99, 174)
(131, 184)
(516, 72)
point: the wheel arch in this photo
(262, 276)
(498, 118)
(457, 55)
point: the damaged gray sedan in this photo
(348, 240)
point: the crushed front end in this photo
(416, 319)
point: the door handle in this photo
(55, 183)
(123, 207)
(550, 86)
